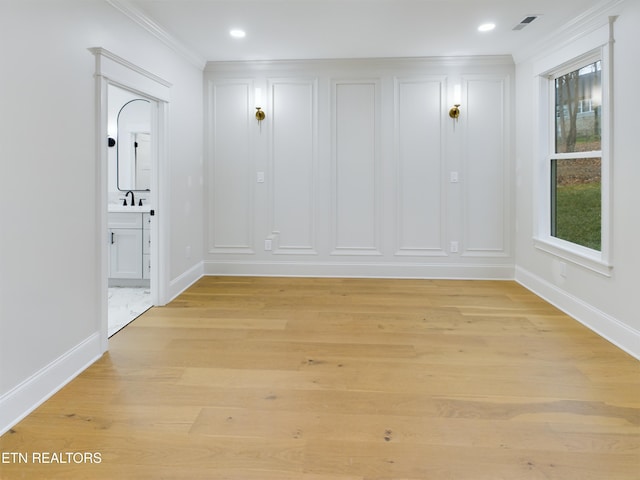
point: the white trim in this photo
(21, 400)
(361, 270)
(212, 89)
(114, 70)
(585, 257)
(101, 214)
(443, 85)
(506, 178)
(608, 327)
(376, 170)
(184, 281)
(161, 231)
(569, 53)
(576, 155)
(109, 65)
(312, 109)
(573, 31)
(577, 63)
(597, 44)
(375, 65)
(148, 24)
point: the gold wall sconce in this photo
(454, 112)
(260, 115)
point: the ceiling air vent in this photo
(526, 21)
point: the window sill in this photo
(584, 257)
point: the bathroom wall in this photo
(605, 303)
(117, 98)
(358, 170)
(50, 292)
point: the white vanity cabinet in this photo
(146, 246)
(128, 250)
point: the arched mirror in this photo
(134, 145)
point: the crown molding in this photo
(582, 25)
(148, 24)
(389, 63)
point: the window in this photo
(575, 168)
(572, 219)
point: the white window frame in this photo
(595, 46)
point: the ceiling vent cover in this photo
(526, 21)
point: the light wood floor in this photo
(345, 379)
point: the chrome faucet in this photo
(133, 200)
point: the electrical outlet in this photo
(267, 245)
(453, 248)
(563, 270)
(260, 177)
(453, 177)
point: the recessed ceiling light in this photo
(486, 27)
(237, 33)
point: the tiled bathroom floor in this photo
(125, 304)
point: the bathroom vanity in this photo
(129, 244)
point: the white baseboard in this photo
(373, 270)
(184, 281)
(18, 402)
(608, 327)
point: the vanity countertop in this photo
(128, 209)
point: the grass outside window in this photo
(576, 206)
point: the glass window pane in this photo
(576, 201)
(578, 109)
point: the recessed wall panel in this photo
(357, 168)
(485, 164)
(355, 158)
(419, 135)
(293, 161)
(230, 168)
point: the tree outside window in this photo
(576, 162)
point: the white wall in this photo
(606, 304)
(49, 285)
(357, 157)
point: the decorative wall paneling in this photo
(355, 175)
(293, 165)
(420, 161)
(485, 164)
(357, 158)
(231, 167)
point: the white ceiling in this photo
(305, 29)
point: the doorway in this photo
(130, 201)
(116, 76)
